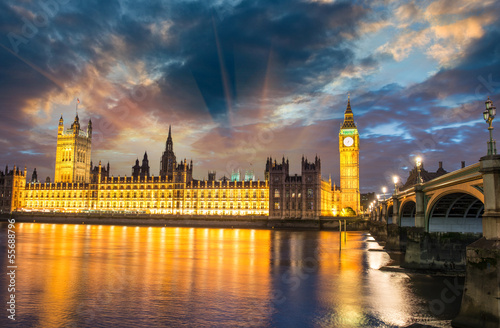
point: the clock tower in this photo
(349, 161)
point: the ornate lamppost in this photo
(489, 115)
(418, 162)
(395, 179)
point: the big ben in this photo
(349, 161)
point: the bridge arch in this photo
(390, 213)
(456, 211)
(461, 188)
(407, 212)
(378, 213)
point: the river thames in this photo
(122, 276)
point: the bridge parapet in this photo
(490, 168)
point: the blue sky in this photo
(243, 80)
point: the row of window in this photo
(128, 194)
(310, 193)
(293, 206)
(203, 205)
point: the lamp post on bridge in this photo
(395, 202)
(395, 179)
(489, 115)
(418, 163)
(384, 191)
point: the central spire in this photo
(170, 143)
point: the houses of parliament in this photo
(80, 186)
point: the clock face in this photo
(348, 141)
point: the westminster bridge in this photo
(453, 202)
(450, 222)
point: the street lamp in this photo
(489, 115)
(384, 190)
(395, 179)
(418, 162)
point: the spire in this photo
(348, 116)
(348, 109)
(170, 143)
(146, 155)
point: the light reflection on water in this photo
(97, 276)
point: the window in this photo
(277, 205)
(276, 193)
(309, 192)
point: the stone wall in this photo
(436, 250)
(256, 222)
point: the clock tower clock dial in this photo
(349, 162)
(348, 141)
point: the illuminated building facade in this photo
(79, 187)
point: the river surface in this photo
(121, 276)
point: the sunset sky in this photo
(243, 80)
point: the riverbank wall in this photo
(249, 222)
(425, 250)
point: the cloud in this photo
(242, 80)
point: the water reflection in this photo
(93, 276)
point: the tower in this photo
(349, 161)
(168, 160)
(73, 152)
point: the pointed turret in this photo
(76, 125)
(145, 166)
(34, 176)
(60, 128)
(89, 129)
